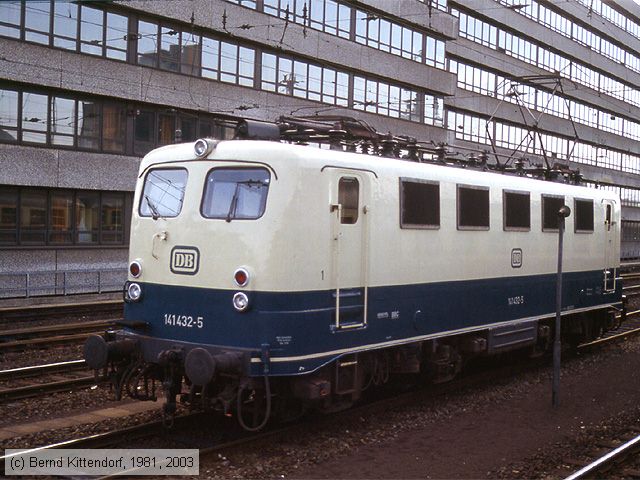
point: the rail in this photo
(605, 463)
(35, 370)
(61, 282)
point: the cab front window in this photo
(163, 192)
(235, 193)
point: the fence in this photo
(61, 282)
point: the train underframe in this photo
(224, 387)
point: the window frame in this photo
(506, 227)
(418, 226)
(543, 197)
(576, 200)
(20, 233)
(461, 186)
(233, 167)
(344, 220)
(140, 203)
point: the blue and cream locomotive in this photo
(264, 275)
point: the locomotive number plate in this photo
(186, 321)
(519, 300)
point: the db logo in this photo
(185, 260)
(516, 258)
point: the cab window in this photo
(235, 193)
(163, 192)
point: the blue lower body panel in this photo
(298, 329)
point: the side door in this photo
(610, 250)
(349, 210)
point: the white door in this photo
(349, 246)
(610, 239)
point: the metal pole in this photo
(563, 213)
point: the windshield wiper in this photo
(234, 203)
(155, 214)
(236, 194)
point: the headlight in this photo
(204, 147)
(134, 292)
(240, 302)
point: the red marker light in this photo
(241, 277)
(135, 269)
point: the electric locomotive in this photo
(267, 278)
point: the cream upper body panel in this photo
(291, 246)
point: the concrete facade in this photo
(27, 66)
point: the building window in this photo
(114, 127)
(335, 18)
(389, 100)
(65, 25)
(517, 210)
(99, 125)
(304, 80)
(61, 211)
(147, 43)
(56, 217)
(583, 216)
(89, 113)
(116, 35)
(92, 31)
(551, 205)
(33, 216)
(419, 204)
(470, 128)
(37, 25)
(35, 118)
(473, 208)
(190, 54)
(63, 121)
(9, 100)
(87, 221)
(112, 218)
(8, 216)
(10, 16)
(227, 62)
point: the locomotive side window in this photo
(550, 207)
(235, 193)
(348, 197)
(584, 216)
(163, 192)
(473, 208)
(517, 211)
(419, 204)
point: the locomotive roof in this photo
(281, 156)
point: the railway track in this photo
(630, 328)
(114, 437)
(15, 315)
(43, 336)
(631, 290)
(615, 463)
(65, 376)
